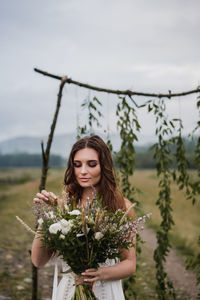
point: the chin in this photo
(85, 184)
(88, 184)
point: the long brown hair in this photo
(108, 189)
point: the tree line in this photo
(143, 158)
(21, 160)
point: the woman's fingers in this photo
(92, 275)
(36, 200)
(45, 196)
(53, 195)
(92, 280)
(91, 270)
(42, 196)
(45, 193)
(93, 286)
(55, 198)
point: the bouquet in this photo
(85, 237)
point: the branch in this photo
(117, 92)
(45, 154)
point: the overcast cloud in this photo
(136, 44)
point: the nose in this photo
(84, 169)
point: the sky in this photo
(149, 46)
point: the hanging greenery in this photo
(94, 113)
(195, 185)
(162, 155)
(180, 174)
(128, 126)
(194, 262)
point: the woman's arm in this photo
(40, 255)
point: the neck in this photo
(88, 193)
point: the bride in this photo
(90, 166)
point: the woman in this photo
(90, 166)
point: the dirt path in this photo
(182, 279)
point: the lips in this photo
(84, 179)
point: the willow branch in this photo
(117, 92)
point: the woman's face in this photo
(87, 167)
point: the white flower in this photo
(149, 215)
(66, 226)
(51, 214)
(87, 228)
(79, 234)
(98, 235)
(66, 207)
(90, 220)
(74, 212)
(65, 230)
(54, 228)
(62, 237)
(40, 221)
(64, 223)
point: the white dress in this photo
(104, 290)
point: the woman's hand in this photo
(120, 270)
(93, 275)
(46, 197)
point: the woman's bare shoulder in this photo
(128, 204)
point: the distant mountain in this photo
(61, 144)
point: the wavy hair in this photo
(108, 190)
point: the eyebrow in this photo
(91, 160)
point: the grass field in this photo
(17, 189)
(185, 232)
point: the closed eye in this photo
(77, 165)
(90, 163)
